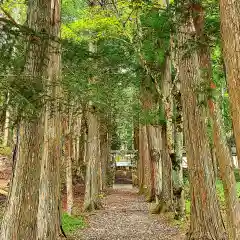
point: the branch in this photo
(124, 24)
(9, 16)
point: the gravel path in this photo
(126, 217)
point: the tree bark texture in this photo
(205, 220)
(230, 31)
(68, 154)
(224, 157)
(140, 163)
(154, 143)
(167, 185)
(148, 183)
(178, 185)
(104, 147)
(20, 218)
(91, 199)
(33, 209)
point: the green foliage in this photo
(5, 151)
(72, 223)
(119, 32)
(188, 207)
(156, 35)
(220, 191)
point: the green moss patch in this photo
(72, 223)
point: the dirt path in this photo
(126, 217)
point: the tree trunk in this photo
(147, 104)
(6, 124)
(167, 188)
(110, 163)
(219, 137)
(49, 198)
(230, 30)
(135, 179)
(140, 164)
(91, 199)
(82, 148)
(154, 142)
(159, 166)
(136, 136)
(20, 218)
(168, 103)
(148, 183)
(104, 154)
(69, 179)
(227, 174)
(178, 185)
(68, 159)
(31, 215)
(77, 129)
(214, 161)
(206, 220)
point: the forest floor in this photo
(125, 216)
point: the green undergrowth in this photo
(219, 187)
(220, 192)
(72, 223)
(69, 223)
(5, 151)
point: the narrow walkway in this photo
(126, 217)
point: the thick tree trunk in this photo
(91, 199)
(148, 104)
(206, 220)
(49, 198)
(219, 137)
(31, 215)
(230, 29)
(227, 174)
(154, 142)
(20, 218)
(154, 155)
